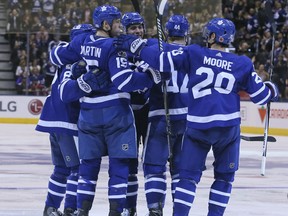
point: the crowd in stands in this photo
(43, 23)
(254, 37)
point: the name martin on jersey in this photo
(91, 51)
(224, 64)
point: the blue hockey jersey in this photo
(99, 52)
(177, 93)
(140, 98)
(57, 116)
(215, 78)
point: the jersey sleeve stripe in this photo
(59, 62)
(264, 100)
(170, 61)
(257, 92)
(120, 73)
(161, 62)
(61, 88)
(125, 82)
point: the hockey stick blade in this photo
(258, 138)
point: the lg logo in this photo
(35, 106)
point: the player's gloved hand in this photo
(274, 90)
(93, 80)
(130, 43)
(154, 74)
(78, 68)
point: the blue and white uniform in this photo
(154, 164)
(59, 119)
(106, 122)
(212, 78)
(213, 120)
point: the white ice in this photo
(25, 167)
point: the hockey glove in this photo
(93, 80)
(154, 74)
(78, 68)
(274, 90)
(130, 43)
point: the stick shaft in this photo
(159, 7)
(269, 13)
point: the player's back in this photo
(51, 119)
(215, 78)
(176, 89)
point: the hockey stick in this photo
(159, 8)
(136, 5)
(258, 138)
(268, 10)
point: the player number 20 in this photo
(201, 90)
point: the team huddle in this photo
(109, 88)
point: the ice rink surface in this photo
(25, 167)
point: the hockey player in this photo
(106, 123)
(213, 120)
(134, 24)
(63, 132)
(154, 164)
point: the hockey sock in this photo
(219, 196)
(132, 190)
(118, 173)
(155, 190)
(184, 197)
(175, 180)
(71, 189)
(88, 176)
(57, 186)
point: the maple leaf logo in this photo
(262, 113)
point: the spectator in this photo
(22, 84)
(51, 22)
(36, 7)
(37, 82)
(13, 25)
(48, 6)
(262, 73)
(280, 74)
(49, 71)
(21, 69)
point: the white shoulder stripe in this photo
(161, 61)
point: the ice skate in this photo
(51, 211)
